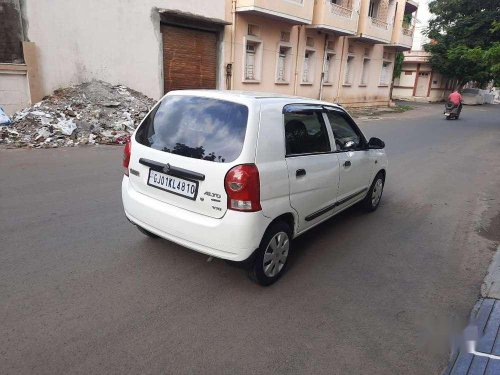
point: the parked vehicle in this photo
(472, 96)
(238, 175)
(452, 111)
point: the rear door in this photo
(355, 159)
(183, 150)
(313, 167)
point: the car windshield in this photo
(196, 127)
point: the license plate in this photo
(175, 185)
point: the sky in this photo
(423, 17)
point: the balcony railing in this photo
(341, 11)
(379, 23)
(407, 32)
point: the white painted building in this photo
(122, 42)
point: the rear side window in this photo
(305, 133)
(196, 127)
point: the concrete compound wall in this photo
(20, 83)
(14, 92)
(404, 85)
(115, 41)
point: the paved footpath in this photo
(487, 318)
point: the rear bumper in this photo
(233, 237)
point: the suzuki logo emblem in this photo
(166, 168)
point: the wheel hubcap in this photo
(377, 192)
(276, 254)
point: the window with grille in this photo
(282, 70)
(385, 74)
(250, 61)
(308, 67)
(365, 72)
(328, 70)
(349, 70)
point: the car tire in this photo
(374, 195)
(147, 232)
(272, 255)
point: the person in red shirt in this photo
(456, 99)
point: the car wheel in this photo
(147, 232)
(372, 199)
(272, 255)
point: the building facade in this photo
(418, 82)
(337, 50)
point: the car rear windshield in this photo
(196, 127)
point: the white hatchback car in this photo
(238, 175)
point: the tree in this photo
(464, 39)
(398, 65)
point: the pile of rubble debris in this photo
(91, 113)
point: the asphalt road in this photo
(82, 291)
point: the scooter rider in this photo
(456, 99)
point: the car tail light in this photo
(242, 186)
(126, 156)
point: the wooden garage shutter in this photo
(189, 58)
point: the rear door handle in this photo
(347, 163)
(300, 172)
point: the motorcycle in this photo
(452, 111)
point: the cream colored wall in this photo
(20, 83)
(310, 90)
(368, 30)
(356, 94)
(299, 9)
(270, 33)
(373, 93)
(406, 80)
(115, 41)
(397, 31)
(14, 91)
(324, 16)
(403, 86)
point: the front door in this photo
(356, 162)
(313, 169)
(422, 84)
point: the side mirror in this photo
(376, 143)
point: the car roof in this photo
(252, 96)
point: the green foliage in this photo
(492, 57)
(465, 37)
(398, 65)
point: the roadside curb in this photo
(491, 284)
